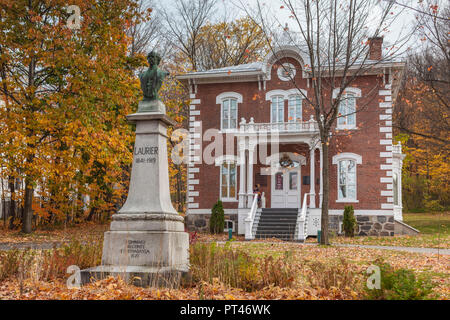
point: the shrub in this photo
(217, 220)
(400, 284)
(349, 221)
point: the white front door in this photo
(286, 189)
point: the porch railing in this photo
(280, 127)
(250, 219)
(302, 225)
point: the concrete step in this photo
(289, 228)
(276, 223)
(278, 216)
(280, 212)
(285, 237)
(275, 220)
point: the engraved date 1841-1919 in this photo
(145, 154)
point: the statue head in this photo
(153, 58)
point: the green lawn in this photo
(429, 223)
(434, 233)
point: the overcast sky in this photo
(400, 28)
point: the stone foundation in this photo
(367, 225)
(200, 222)
(375, 225)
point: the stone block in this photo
(388, 226)
(362, 218)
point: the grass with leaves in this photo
(233, 270)
(434, 233)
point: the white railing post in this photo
(250, 219)
(263, 200)
(311, 123)
(301, 220)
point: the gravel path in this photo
(4, 246)
(408, 249)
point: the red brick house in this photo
(249, 125)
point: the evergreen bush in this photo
(349, 221)
(217, 220)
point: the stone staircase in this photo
(276, 223)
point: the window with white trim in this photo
(277, 109)
(347, 176)
(228, 181)
(347, 180)
(347, 112)
(229, 113)
(295, 108)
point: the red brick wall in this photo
(365, 141)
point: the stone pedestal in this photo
(146, 244)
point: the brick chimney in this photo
(375, 48)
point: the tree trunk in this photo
(93, 210)
(27, 207)
(326, 192)
(12, 202)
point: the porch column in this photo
(250, 176)
(321, 177)
(242, 164)
(312, 199)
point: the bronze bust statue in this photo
(152, 78)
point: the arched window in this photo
(277, 109)
(347, 180)
(229, 109)
(295, 108)
(347, 176)
(347, 112)
(229, 114)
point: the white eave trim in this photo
(206, 75)
(220, 75)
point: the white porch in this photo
(285, 182)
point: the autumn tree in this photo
(421, 117)
(66, 94)
(226, 44)
(144, 30)
(184, 24)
